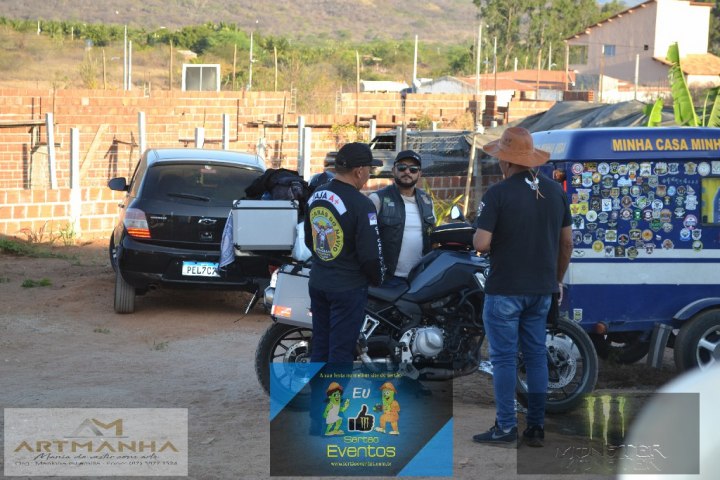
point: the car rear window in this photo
(207, 184)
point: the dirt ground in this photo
(61, 345)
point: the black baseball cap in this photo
(411, 154)
(356, 154)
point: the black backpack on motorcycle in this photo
(279, 184)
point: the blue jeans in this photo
(509, 321)
(337, 318)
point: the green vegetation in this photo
(159, 346)
(101, 330)
(17, 247)
(295, 52)
(30, 283)
(686, 113)
(13, 246)
(315, 66)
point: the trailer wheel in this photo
(698, 343)
(623, 349)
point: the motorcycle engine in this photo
(427, 342)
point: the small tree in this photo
(683, 106)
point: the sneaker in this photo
(534, 436)
(497, 436)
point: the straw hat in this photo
(516, 146)
(334, 386)
(388, 386)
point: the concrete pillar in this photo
(301, 141)
(199, 137)
(50, 128)
(307, 153)
(75, 194)
(142, 134)
(225, 131)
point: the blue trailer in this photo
(645, 269)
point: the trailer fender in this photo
(689, 311)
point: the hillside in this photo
(436, 20)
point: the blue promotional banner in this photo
(327, 420)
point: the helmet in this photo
(320, 179)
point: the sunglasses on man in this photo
(401, 167)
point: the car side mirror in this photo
(118, 183)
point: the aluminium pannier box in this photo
(291, 299)
(264, 224)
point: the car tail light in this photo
(136, 224)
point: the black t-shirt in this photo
(342, 233)
(525, 231)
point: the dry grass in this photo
(29, 60)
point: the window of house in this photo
(710, 200)
(578, 54)
(609, 50)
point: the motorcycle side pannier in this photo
(291, 300)
(264, 224)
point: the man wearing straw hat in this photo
(524, 223)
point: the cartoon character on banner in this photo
(390, 409)
(334, 408)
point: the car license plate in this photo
(200, 269)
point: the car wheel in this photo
(698, 343)
(124, 295)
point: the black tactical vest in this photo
(391, 220)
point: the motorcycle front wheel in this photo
(572, 368)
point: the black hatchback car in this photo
(172, 220)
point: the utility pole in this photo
(567, 64)
(637, 73)
(414, 78)
(170, 72)
(125, 52)
(357, 87)
(537, 81)
(602, 69)
(249, 85)
(276, 65)
(550, 57)
(479, 103)
(234, 64)
(495, 66)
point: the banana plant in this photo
(713, 100)
(441, 206)
(682, 100)
(683, 105)
(654, 113)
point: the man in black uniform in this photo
(406, 218)
(342, 233)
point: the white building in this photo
(637, 39)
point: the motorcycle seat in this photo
(388, 293)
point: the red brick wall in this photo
(27, 202)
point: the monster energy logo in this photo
(609, 412)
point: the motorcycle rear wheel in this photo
(281, 343)
(572, 368)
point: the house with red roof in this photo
(632, 45)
